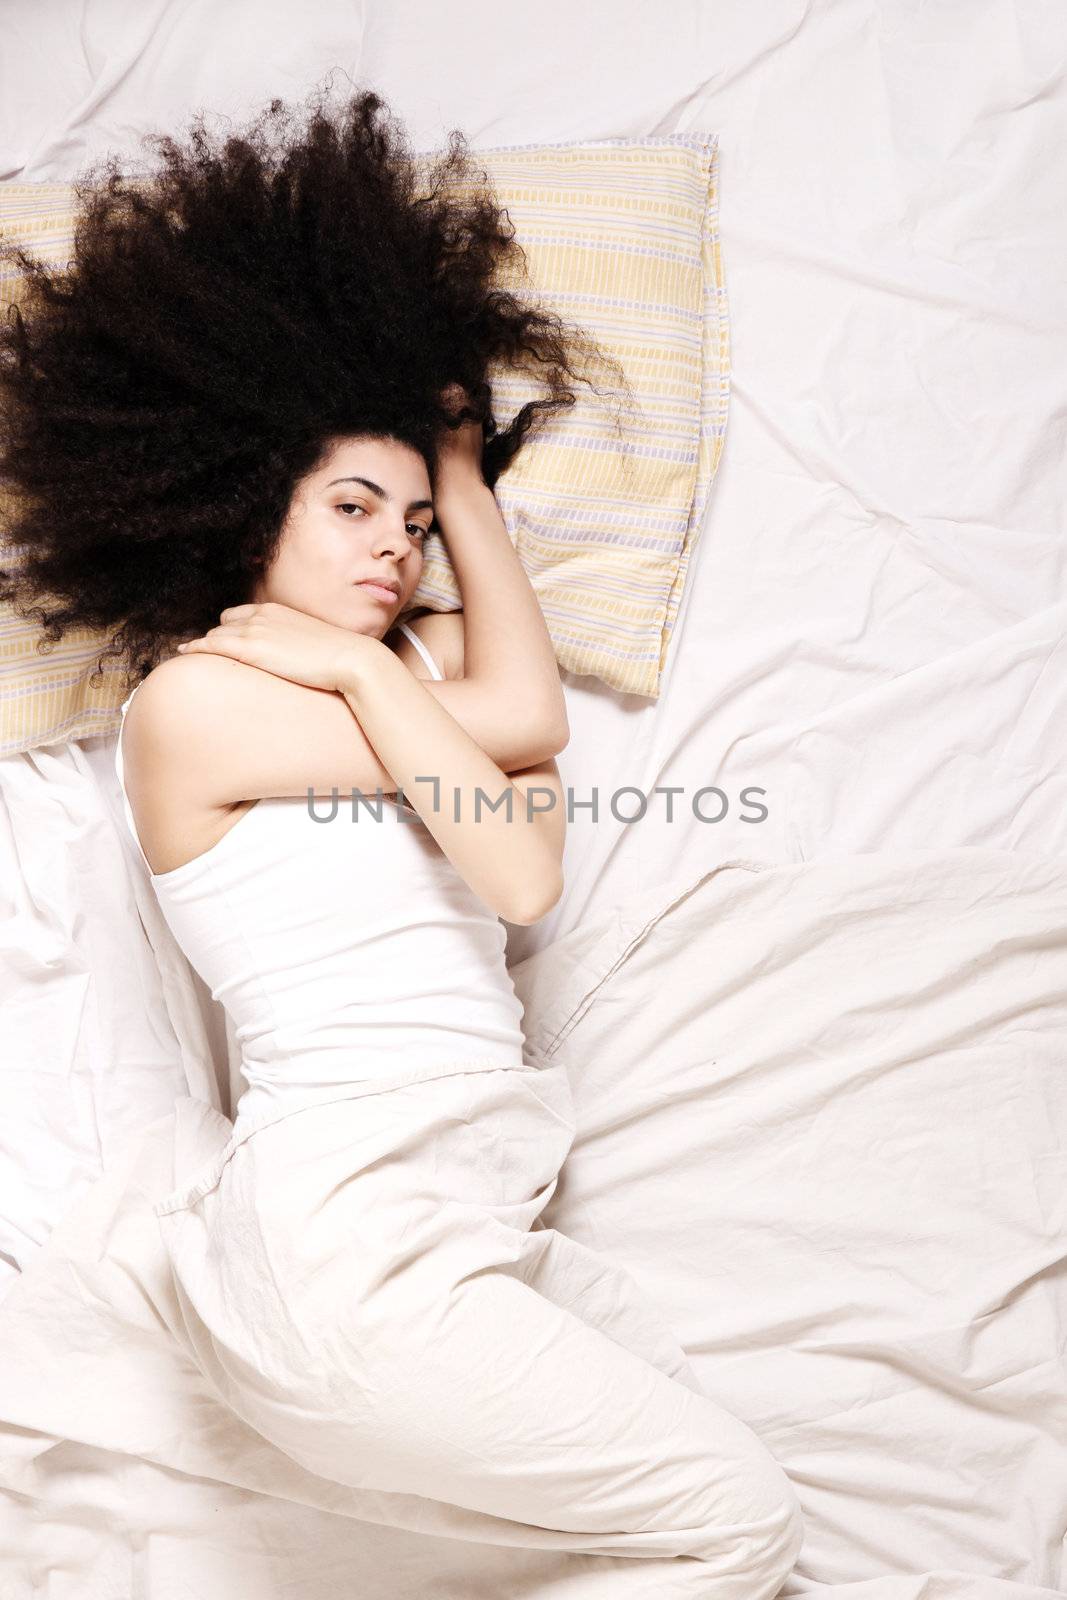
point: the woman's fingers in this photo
(231, 614)
(214, 636)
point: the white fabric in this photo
(841, 1086)
(847, 1103)
(410, 633)
(841, 1080)
(366, 1284)
(342, 943)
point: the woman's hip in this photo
(370, 1204)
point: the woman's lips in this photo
(379, 593)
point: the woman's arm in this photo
(510, 668)
(508, 657)
(510, 854)
(512, 743)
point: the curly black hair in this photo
(219, 325)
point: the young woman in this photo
(322, 616)
(233, 424)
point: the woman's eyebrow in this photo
(416, 505)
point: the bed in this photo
(813, 1022)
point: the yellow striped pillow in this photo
(622, 238)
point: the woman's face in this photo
(341, 532)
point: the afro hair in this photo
(221, 323)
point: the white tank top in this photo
(342, 949)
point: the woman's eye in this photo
(349, 505)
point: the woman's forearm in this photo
(507, 645)
(506, 856)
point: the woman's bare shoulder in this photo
(164, 771)
(171, 681)
(210, 694)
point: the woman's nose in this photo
(394, 540)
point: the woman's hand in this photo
(292, 644)
(459, 450)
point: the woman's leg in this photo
(382, 1308)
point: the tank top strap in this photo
(421, 648)
(120, 774)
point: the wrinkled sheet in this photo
(872, 633)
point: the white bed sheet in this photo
(873, 627)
